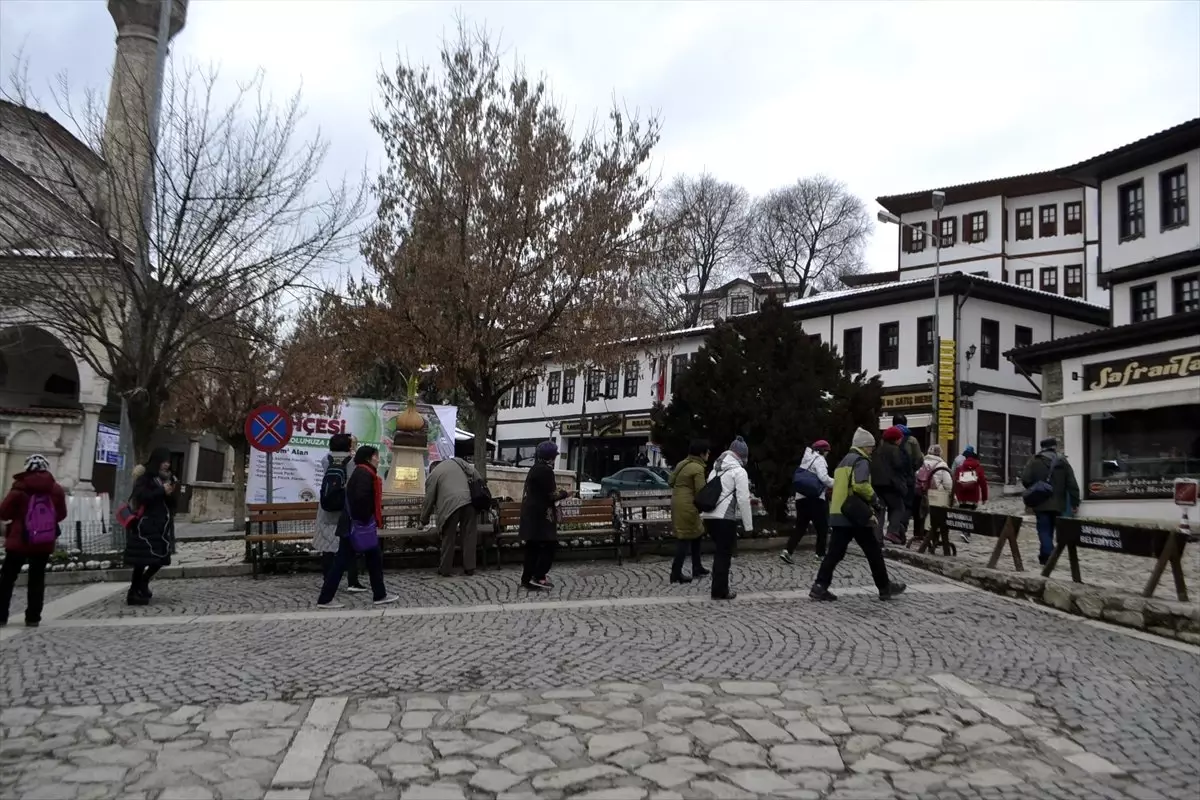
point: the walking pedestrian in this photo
(970, 484)
(851, 518)
(1051, 491)
(721, 522)
(686, 480)
(910, 448)
(332, 522)
(448, 496)
(539, 518)
(33, 509)
(812, 484)
(890, 480)
(364, 516)
(934, 484)
(150, 538)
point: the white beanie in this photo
(37, 463)
(863, 438)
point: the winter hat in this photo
(1049, 443)
(893, 434)
(935, 450)
(546, 451)
(739, 448)
(904, 430)
(970, 451)
(820, 444)
(37, 463)
(863, 438)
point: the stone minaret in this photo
(126, 128)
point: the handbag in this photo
(1042, 490)
(481, 496)
(364, 536)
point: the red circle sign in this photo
(268, 429)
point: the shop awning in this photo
(914, 421)
(1135, 398)
(466, 436)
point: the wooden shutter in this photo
(907, 238)
(966, 227)
(985, 227)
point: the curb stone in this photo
(1168, 618)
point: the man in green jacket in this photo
(686, 481)
(852, 511)
(1049, 466)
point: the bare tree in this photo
(260, 355)
(238, 215)
(702, 230)
(808, 235)
(501, 237)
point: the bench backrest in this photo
(571, 511)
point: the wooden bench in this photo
(643, 513)
(598, 518)
(273, 523)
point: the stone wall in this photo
(211, 502)
(1052, 390)
(510, 481)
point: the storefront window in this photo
(989, 445)
(1139, 454)
(1021, 434)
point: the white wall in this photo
(960, 250)
(869, 320)
(1165, 290)
(1041, 244)
(1156, 242)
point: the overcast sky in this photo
(889, 97)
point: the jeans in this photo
(723, 532)
(897, 512)
(917, 510)
(464, 523)
(816, 511)
(345, 555)
(1045, 532)
(539, 557)
(839, 540)
(682, 548)
(327, 560)
(36, 589)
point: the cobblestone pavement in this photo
(1096, 567)
(944, 692)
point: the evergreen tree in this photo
(763, 378)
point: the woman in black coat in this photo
(148, 541)
(539, 518)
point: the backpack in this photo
(1042, 490)
(41, 524)
(708, 498)
(333, 487)
(925, 476)
(968, 477)
(481, 496)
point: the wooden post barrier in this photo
(1002, 527)
(939, 533)
(1165, 546)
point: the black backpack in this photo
(708, 498)
(481, 496)
(333, 486)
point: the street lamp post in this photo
(939, 202)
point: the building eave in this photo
(1014, 186)
(1033, 357)
(1127, 158)
(1148, 269)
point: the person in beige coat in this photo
(448, 495)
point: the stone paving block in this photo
(797, 757)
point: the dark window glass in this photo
(1025, 278)
(1049, 278)
(1131, 210)
(852, 349)
(568, 395)
(1074, 280)
(678, 365)
(633, 371)
(1139, 454)
(553, 388)
(1048, 220)
(889, 346)
(989, 344)
(1145, 302)
(1173, 197)
(924, 341)
(1024, 223)
(1186, 289)
(1072, 218)
(739, 304)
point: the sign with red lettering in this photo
(269, 429)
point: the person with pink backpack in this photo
(32, 510)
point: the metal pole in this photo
(587, 381)
(270, 478)
(937, 326)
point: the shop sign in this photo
(572, 427)
(947, 388)
(1128, 488)
(607, 426)
(638, 424)
(1186, 491)
(898, 401)
(1142, 369)
(1129, 539)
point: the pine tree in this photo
(763, 378)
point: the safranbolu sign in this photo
(1142, 369)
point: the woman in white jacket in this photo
(721, 522)
(811, 507)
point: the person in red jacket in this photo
(36, 481)
(970, 483)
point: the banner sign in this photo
(898, 401)
(1131, 488)
(971, 523)
(1128, 539)
(298, 468)
(108, 444)
(947, 380)
(1142, 369)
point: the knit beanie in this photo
(1049, 444)
(37, 463)
(893, 434)
(863, 438)
(546, 451)
(739, 448)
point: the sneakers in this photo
(332, 605)
(821, 593)
(533, 586)
(729, 596)
(786, 558)
(894, 588)
(32, 623)
(355, 588)
(966, 537)
(133, 598)
(893, 538)
(699, 573)
(680, 579)
(544, 582)
(388, 600)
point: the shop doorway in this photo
(604, 456)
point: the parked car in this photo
(589, 489)
(633, 479)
